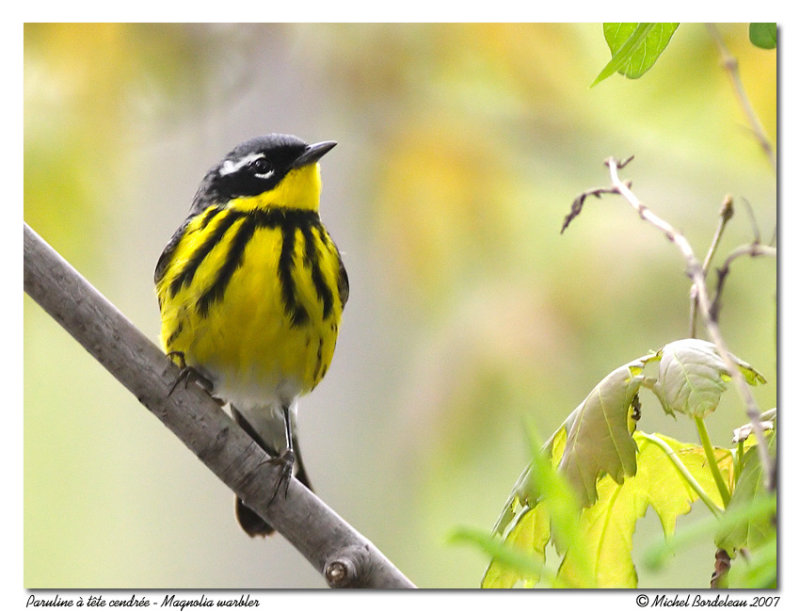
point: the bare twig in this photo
(753, 222)
(577, 204)
(332, 546)
(753, 250)
(725, 215)
(695, 272)
(731, 65)
(598, 192)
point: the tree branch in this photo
(333, 547)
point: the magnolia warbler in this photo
(251, 289)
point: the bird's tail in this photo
(251, 522)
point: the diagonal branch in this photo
(333, 547)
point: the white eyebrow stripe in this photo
(229, 166)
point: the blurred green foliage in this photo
(461, 148)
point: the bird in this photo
(251, 289)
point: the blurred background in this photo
(461, 148)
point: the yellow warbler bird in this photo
(251, 289)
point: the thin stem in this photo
(722, 487)
(676, 461)
(725, 215)
(731, 65)
(738, 464)
(753, 250)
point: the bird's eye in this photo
(261, 166)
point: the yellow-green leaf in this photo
(605, 529)
(668, 492)
(609, 524)
(635, 47)
(530, 536)
(593, 440)
(525, 494)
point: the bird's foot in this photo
(188, 374)
(285, 461)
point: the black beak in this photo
(312, 153)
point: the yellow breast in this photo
(252, 299)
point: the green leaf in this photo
(610, 523)
(524, 565)
(605, 530)
(692, 377)
(534, 528)
(764, 35)
(635, 47)
(594, 439)
(657, 554)
(512, 561)
(562, 506)
(668, 491)
(616, 476)
(598, 439)
(751, 531)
